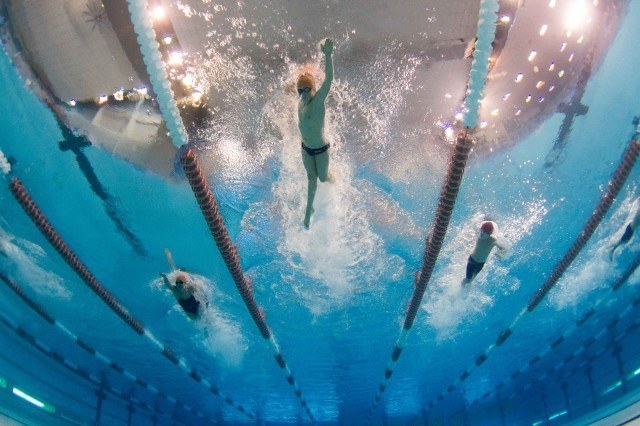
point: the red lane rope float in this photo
(45, 227)
(229, 252)
(434, 242)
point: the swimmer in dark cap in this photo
(628, 232)
(311, 111)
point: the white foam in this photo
(594, 269)
(448, 304)
(339, 251)
(219, 333)
(23, 255)
(4, 164)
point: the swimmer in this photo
(184, 292)
(486, 241)
(183, 289)
(311, 111)
(628, 232)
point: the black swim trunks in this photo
(473, 268)
(190, 305)
(315, 151)
(628, 233)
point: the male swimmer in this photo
(311, 112)
(486, 242)
(628, 232)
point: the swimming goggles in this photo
(304, 90)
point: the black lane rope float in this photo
(613, 188)
(44, 226)
(209, 207)
(582, 320)
(71, 366)
(94, 352)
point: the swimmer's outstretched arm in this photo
(166, 282)
(327, 49)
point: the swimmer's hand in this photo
(327, 47)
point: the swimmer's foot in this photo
(307, 218)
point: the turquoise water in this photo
(334, 297)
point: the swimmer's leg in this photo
(322, 166)
(312, 177)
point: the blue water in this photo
(336, 312)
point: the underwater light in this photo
(576, 14)
(635, 373)
(532, 55)
(3, 382)
(167, 39)
(543, 29)
(28, 398)
(552, 3)
(538, 423)
(612, 387)
(119, 95)
(459, 116)
(158, 13)
(102, 99)
(552, 66)
(46, 407)
(72, 102)
(519, 78)
(555, 416)
(505, 19)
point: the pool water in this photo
(334, 296)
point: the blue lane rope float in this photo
(485, 35)
(613, 188)
(92, 351)
(143, 27)
(44, 226)
(71, 366)
(229, 252)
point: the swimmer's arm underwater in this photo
(165, 281)
(327, 49)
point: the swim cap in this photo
(487, 227)
(306, 80)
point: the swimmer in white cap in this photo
(311, 111)
(486, 242)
